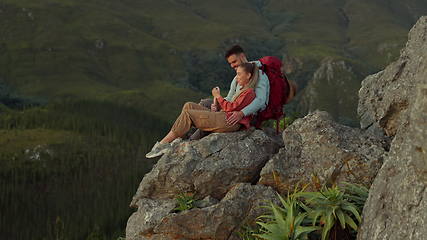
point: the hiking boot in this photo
(198, 134)
(158, 150)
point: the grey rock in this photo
(384, 97)
(210, 166)
(397, 202)
(206, 202)
(321, 151)
(150, 212)
(276, 137)
(221, 221)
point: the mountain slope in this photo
(93, 48)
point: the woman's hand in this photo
(216, 92)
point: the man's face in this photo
(235, 60)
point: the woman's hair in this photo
(253, 69)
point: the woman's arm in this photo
(239, 103)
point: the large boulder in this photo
(219, 168)
(220, 221)
(397, 203)
(149, 214)
(210, 166)
(320, 151)
(384, 98)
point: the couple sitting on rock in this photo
(249, 92)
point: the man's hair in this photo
(236, 49)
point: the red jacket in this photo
(244, 99)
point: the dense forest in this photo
(70, 163)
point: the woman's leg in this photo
(183, 123)
(195, 106)
(203, 119)
(211, 121)
(169, 137)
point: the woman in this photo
(213, 121)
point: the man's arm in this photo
(232, 90)
(258, 63)
(262, 92)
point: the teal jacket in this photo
(262, 92)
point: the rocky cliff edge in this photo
(233, 174)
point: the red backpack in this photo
(279, 91)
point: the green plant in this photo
(247, 233)
(284, 122)
(356, 194)
(59, 229)
(185, 201)
(289, 119)
(287, 222)
(333, 211)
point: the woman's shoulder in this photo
(250, 92)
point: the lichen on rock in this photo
(319, 150)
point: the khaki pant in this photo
(202, 118)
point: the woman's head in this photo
(247, 75)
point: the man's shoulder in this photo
(257, 62)
(261, 73)
(262, 76)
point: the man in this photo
(236, 56)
